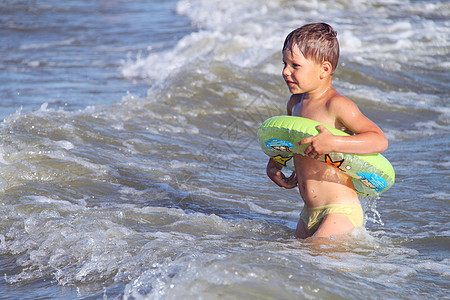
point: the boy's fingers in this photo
(305, 141)
(308, 140)
(321, 128)
(307, 150)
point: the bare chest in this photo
(313, 111)
(319, 113)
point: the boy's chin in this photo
(295, 91)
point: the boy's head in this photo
(316, 41)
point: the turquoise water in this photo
(129, 166)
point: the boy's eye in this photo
(295, 66)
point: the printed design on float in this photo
(281, 160)
(373, 181)
(279, 145)
(334, 164)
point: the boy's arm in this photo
(273, 170)
(368, 136)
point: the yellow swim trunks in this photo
(312, 217)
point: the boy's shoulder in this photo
(338, 103)
(293, 100)
(345, 113)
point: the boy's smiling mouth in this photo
(289, 82)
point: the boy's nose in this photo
(286, 71)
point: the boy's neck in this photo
(319, 93)
(326, 90)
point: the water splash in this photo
(369, 205)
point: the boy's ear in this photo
(327, 69)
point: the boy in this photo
(310, 56)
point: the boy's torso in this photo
(319, 183)
(317, 110)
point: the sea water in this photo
(129, 166)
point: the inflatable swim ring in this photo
(279, 136)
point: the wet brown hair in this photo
(316, 41)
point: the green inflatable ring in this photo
(279, 136)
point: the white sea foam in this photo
(41, 46)
(67, 145)
(440, 195)
(246, 33)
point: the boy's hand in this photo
(274, 172)
(320, 144)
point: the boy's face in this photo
(302, 75)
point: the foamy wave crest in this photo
(247, 33)
(231, 31)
